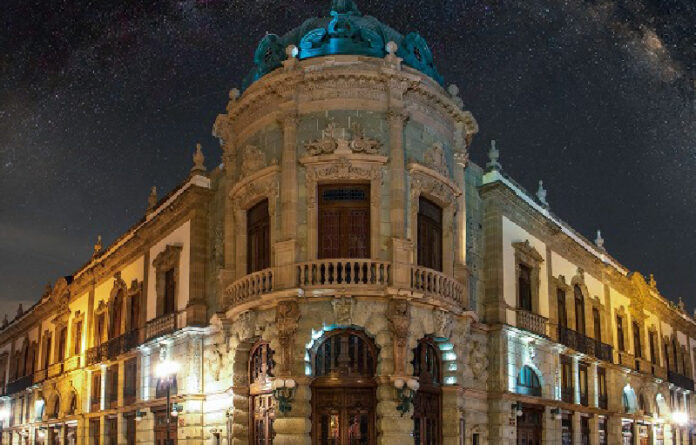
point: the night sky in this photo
(101, 100)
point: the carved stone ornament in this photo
(341, 169)
(443, 323)
(434, 158)
(168, 258)
(335, 140)
(246, 325)
(343, 310)
(287, 319)
(253, 160)
(478, 360)
(399, 316)
(214, 362)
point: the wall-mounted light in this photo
(139, 415)
(556, 413)
(176, 409)
(405, 392)
(284, 392)
(516, 409)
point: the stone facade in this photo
(80, 365)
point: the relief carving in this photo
(335, 140)
(434, 158)
(399, 316)
(478, 360)
(253, 160)
(343, 310)
(443, 323)
(287, 319)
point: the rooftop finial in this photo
(152, 198)
(541, 194)
(4, 321)
(97, 246)
(652, 281)
(453, 91)
(493, 155)
(198, 160)
(20, 310)
(681, 304)
(599, 241)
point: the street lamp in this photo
(166, 371)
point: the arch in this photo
(528, 382)
(344, 398)
(73, 403)
(53, 410)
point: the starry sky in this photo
(101, 100)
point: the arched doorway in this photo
(343, 391)
(261, 402)
(427, 404)
(529, 422)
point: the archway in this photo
(427, 404)
(344, 389)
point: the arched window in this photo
(261, 362)
(579, 310)
(72, 407)
(55, 408)
(528, 382)
(643, 406)
(344, 390)
(427, 404)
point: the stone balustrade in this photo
(250, 286)
(529, 321)
(162, 325)
(437, 285)
(343, 272)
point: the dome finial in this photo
(344, 7)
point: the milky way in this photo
(98, 102)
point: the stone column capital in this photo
(397, 116)
(289, 119)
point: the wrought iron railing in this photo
(584, 344)
(680, 380)
(20, 384)
(97, 354)
(163, 325)
(531, 322)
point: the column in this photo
(196, 308)
(286, 249)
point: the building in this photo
(346, 275)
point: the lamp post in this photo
(166, 370)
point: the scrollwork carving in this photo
(334, 140)
(399, 316)
(434, 158)
(287, 320)
(253, 160)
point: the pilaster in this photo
(288, 177)
(396, 118)
(394, 428)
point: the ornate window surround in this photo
(343, 167)
(101, 309)
(430, 184)
(164, 261)
(558, 283)
(262, 184)
(79, 317)
(527, 255)
(134, 293)
(119, 287)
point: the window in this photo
(524, 285)
(112, 382)
(129, 423)
(651, 345)
(636, 340)
(116, 315)
(427, 404)
(344, 221)
(77, 337)
(62, 344)
(47, 351)
(258, 237)
(528, 382)
(430, 235)
(676, 357)
(261, 363)
(597, 324)
(602, 388)
(99, 329)
(620, 333)
(162, 384)
(667, 364)
(562, 317)
(130, 378)
(94, 431)
(579, 310)
(566, 379)
(95, 396)
(582, 380)
(134, 312)
(112, 431)
(169, 291)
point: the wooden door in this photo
(161, 429)
(344, 221)
(258, 237)
(429, 234)
(262, 419)
(529, 426)
(344, 416)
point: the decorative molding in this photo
(434, 158)
(335, 140)
(287, 321)
(343, 307)
(253, 160)
(399, 316)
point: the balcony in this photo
(529, 321)
(437, 285)
(163, 325)
(54, 370)
(96, 354)
(121, 344)
(584, 344)
(343, 272)
(40, 375)
(251, 286)
(680, 380)
(72, 363)
(20, 384)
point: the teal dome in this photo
(346, 31)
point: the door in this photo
(161, 429)
(344, 221)
(529, 426)
(263, 414)
(344, 416)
